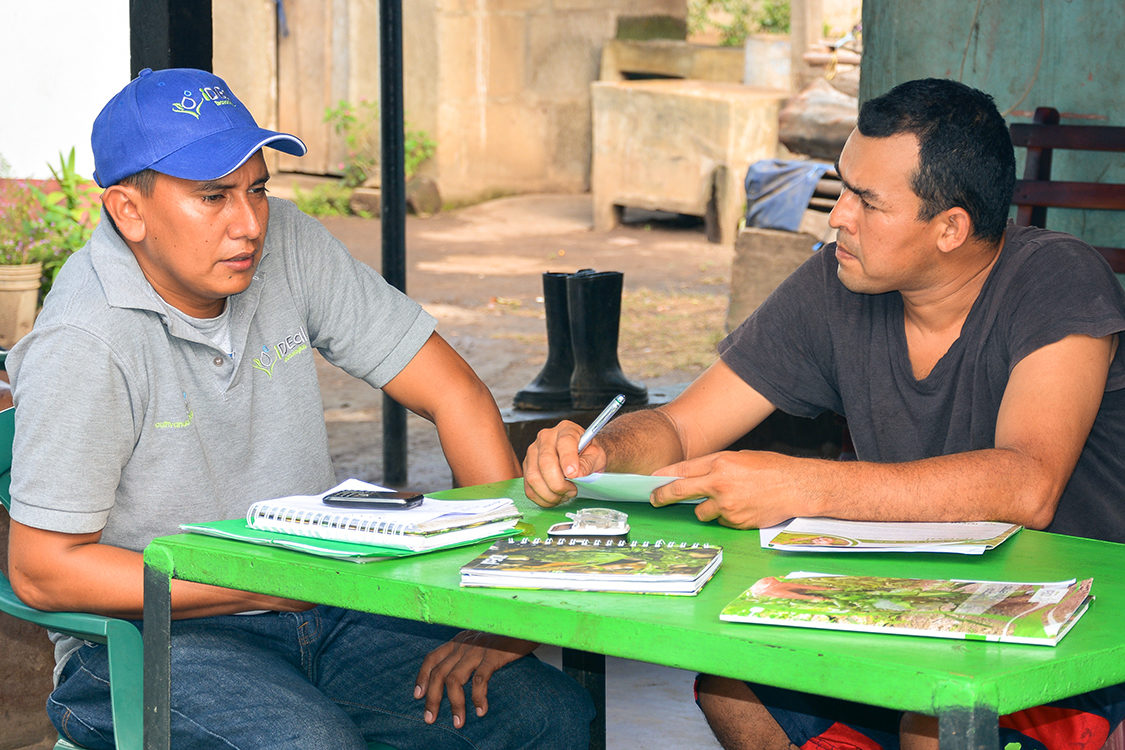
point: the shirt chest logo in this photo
(281, 352)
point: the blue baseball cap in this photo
(180, 122)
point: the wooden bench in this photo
(1036, 192)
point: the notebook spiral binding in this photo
(570, 542)
(329, 520)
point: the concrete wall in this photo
(502, 86)
(511, 111)
(1068, 56)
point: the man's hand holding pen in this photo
(561, 453)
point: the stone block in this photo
(629, 58)
(423, 199)
(763, 258)
(651, 27)
(679, 145)
(366, 200)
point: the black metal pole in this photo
(169, 34)
(393, 212)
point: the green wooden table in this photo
(966, 684)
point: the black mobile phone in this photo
(377, 499)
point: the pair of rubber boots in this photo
(583, 321)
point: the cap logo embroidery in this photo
(189, 106)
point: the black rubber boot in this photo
(594, 299)
(551, 387)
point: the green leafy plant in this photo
(70, 212)
(323, 200)
(418, 146)
(734, 20)
(47, 226)
(358, 124)
(23, 235)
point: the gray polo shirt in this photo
(131, 421)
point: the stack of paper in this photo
(305, 523)
(832, 535)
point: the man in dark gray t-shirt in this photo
(978, 366)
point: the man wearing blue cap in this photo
(182, 338)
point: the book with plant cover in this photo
(584, 565)
(835, 535)
(1037, 613)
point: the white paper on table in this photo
(624, 488)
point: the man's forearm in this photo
(640, 442)
(473, 439)
(49, 574)
(994, 484)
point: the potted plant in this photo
(23, 244)
(39, 230)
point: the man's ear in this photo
(955, 228)
(124, 205)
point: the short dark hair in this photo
(144, 181)
(965, 155)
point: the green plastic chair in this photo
(126, 654)
(122, 639)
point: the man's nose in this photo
(842, 213)
(247, 224)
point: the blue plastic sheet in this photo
(778, 192)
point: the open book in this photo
(305, 523)
(1037, 613)
(582, 565)
(832, 535)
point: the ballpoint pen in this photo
(599, 423)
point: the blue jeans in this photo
(326, 678)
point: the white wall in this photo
(61, 61)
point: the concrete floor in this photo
(648, 706)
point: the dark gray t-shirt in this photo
(814, 346)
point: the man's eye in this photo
(213, 198)
(260, 190)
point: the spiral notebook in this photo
(583, 565)
(304, 523)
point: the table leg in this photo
(589, 671)
(973, 728)
(157, 659)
